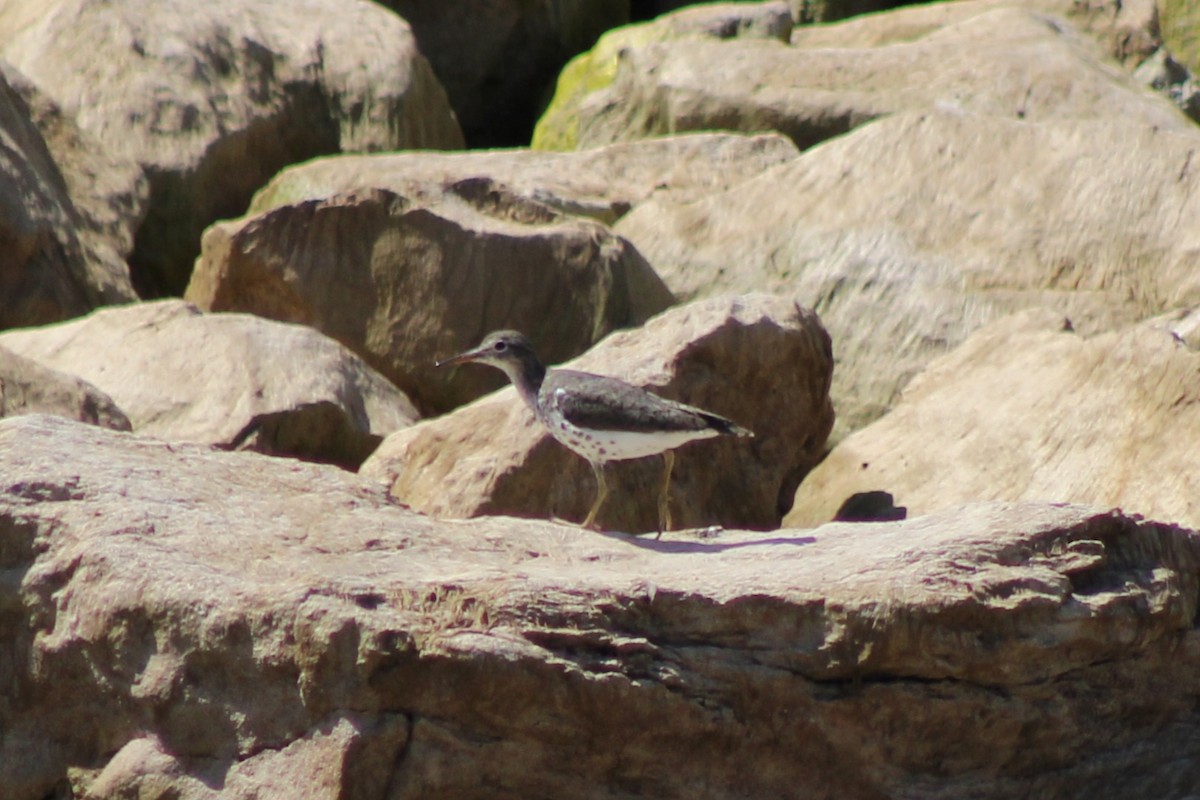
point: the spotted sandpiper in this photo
(602, 419)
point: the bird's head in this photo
(497, 350)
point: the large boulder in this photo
(231, 380)
(1007, 62)
(602, 183)
(912, 232)
(57, 260)
(178, 622)
(406, 279)
(760, 360)
(211, 99)
(498, 58)
(27, 387)
(1029, 410)
(593, 71)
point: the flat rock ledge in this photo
(189, 623)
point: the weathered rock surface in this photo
(1027, 411)
(214, 98)
(760, 360)
(156, 645)
(910, 233)
(404, 280)
(27, 387)
(232, 380)
(56, 263)
(558, 128)
(1178, 20)
(1122, 30)
(1007, 62)
(602, 183)
(498, 58)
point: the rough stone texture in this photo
(1102, 20)
(1180, 23)
(232, 380)
(213, 98)
(404, 280)
(602, 183)
(1027, 411)
(910, 233)
(1012, 63)
(558, 128)
(27, 387)
(760, 360)
(157, 645)
(55, 262)
(498, 58)
(1135, 32)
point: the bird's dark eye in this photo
(500, 347)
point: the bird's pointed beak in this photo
(461, 358)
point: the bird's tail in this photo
(726, 426)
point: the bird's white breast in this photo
(621, 445)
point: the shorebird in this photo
(601, 418)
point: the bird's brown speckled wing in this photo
(601, 403)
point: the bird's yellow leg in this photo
(601, 493)
(664, 503)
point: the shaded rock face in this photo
(27, 387)
(498, 59)
(404, 281)
(912, 232)
(1025, 410)
(212, 99)
(55, 263)
(761, 361)
(327, 638)
(231, 380)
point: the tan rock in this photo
(182, 622)
(232, 380)
(27, 387)
(602, 183)
(403, 281)
(972, 218)
(762, 361)
(214, 98)
(1007, 62)
(1099, 19)
(56, 263)
(558, 128)
(1025, 410)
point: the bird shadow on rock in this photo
(700, 545)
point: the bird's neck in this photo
(527, 376)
